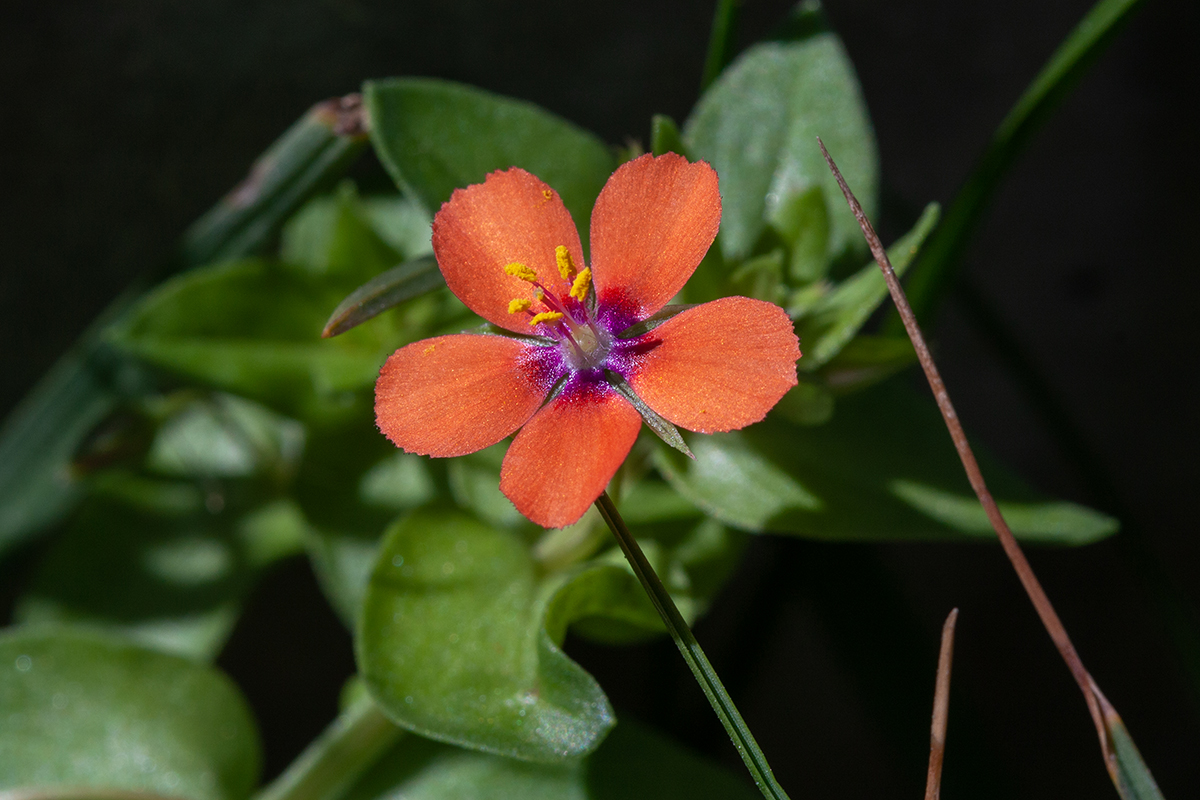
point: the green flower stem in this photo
(338, 757)
(720, 41)
(706, 676)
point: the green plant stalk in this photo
(692, 653)
(720, 41)
(936, 267)
(345, 750)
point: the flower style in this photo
(509, 250)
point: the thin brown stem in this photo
(1033, 588)
(941, 710)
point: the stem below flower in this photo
(690, 649)
(329, 765)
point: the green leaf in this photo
(82, 710)
(334, 237)
(866, 360)
(1132, 779)
(402, 222)
(475, 486)
(385, 291)
(665, 136)
(757, 125)
(633, 762)
(350, 486)
(253, 328)
(226, 436)
(806, 404)
(174, 582)
(435, 136)
(935, 270)
(836, 317)
(37, 442)
(452, 645)
(882, 469)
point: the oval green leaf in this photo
(81, 710)
(882, 469)
(758, 127)
(452, 644)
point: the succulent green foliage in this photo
(452, 644)
(461, 624)
(633, 762)
(166, 553)
(758, 126)
(78, 709)
(172, 581)
(37, 443)
(881, 469)
(436, 136)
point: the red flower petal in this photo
(719, 366)
(511, 217)
(651, 225)
(454, 395)
(563, 458)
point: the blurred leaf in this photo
(435, 136)
(253, 328)
(402, 222)
(475, 486)
(310, 156)
(173, 582)
(334, 237)
(802, 221)
(350, 486)
(452, 645)
(934, 271)
(866, 360)
(37, 443)
(806, 404)
(757, 125)
(225, 436)
(633, 762)
(837, 316)
(82, 710)
(386, 290)
(881, 469)
(1132, 777)
(665, 136)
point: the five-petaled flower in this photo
(510, 251)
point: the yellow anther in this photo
(519, 270)
(566, 267)
(518, 304)
(580, 287)
(545, 316)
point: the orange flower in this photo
(509, 250)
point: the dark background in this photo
(124, 120)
